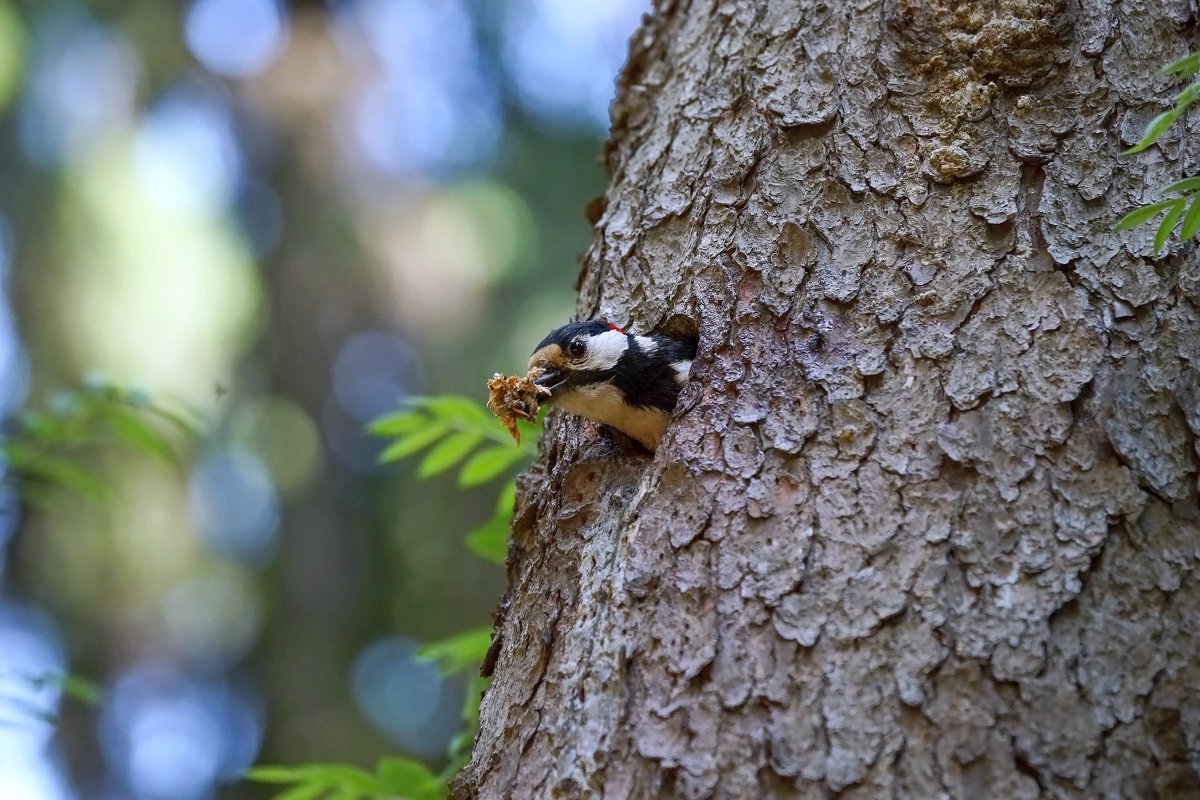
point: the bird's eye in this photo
(576, 349)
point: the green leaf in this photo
(138, 398)
(395, 772)
(488, 464)
(448, 452)
(490, 540)
(453, 408)
(330, 776)
(506, 499)
(408, 778)
(81, 689)
(1168, 224)
(1140, 215)
(36, 496)
(274, 773)
(459, 652)
(407, 445)
(474, 696)
(70, 404)
(39, 425)
(40, 452)
(135, 431)
(67, 474)
(1185, 185)
(346, 777)
(1186, 66)
(1191, 223)
(460, 745)
(1155, 129)
(1187, 97)
(184, 421)
(303, 791)
(18, 454)
(397, 423)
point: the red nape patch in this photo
(612, 327)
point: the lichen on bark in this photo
(926, 523)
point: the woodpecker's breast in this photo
(605, 403)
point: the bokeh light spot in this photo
(564, 56)
(504, 227)
(81, 91)
(39, 779)
(233, 505)
(432, 108)
(30, 653)
(186, 155)
(235, 38)
(215, 617)
(347, 441)
(10, 515)
(171, 737)
(31, 656)
(14, 366)
(261, 213)
(442, 253)
(151, 292)
(373, 373)
(282, 434)
(6, 247)
(405, 696)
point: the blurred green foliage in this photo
(227, 241)
(453, 427)
(399, 778)
(45, 454)
(43, 451)
(453, 430)
(12, 53)
(76, 687)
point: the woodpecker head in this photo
(578, 354)
(596, 370)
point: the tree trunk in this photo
(926, 522)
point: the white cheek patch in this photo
(683, 370)
(603, 351)
(646, 344)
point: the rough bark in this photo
(926, 524)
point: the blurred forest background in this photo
(285, 218)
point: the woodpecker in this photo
(598, 371)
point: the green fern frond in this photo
(393, 778)
(38, 452)
(457, 431)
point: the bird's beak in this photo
(552, 379)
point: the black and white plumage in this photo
(596, 370)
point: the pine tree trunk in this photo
(926, 524)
